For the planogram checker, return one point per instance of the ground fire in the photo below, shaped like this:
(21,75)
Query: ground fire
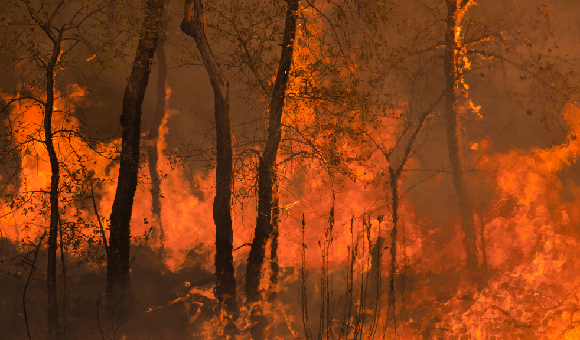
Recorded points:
(289,169)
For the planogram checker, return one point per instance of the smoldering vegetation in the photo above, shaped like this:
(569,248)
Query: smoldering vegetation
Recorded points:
(426,180)
(166,303)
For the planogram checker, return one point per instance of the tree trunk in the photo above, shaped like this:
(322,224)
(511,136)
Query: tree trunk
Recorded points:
(267,162)
(158,235)
(394,178)
(453,74)
(274,267)
(54,330)
(226,282)
(394,175)
(64,282)
(118,281)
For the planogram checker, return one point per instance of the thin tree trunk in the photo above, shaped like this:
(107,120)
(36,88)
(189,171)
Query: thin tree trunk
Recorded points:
(483,267)
(394,175)
(54,330)
(33,267)
(64,282)
(394,178)
(226,282)
(274,266)
(456,10)
(118,280)
(267,162)
(158,235)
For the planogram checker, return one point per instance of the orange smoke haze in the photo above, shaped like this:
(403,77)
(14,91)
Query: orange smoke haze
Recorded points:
(529,230)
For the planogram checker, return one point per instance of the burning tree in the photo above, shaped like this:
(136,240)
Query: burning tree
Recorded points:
(62,29)
(348,136)
(118,256)
(154,147)
(226,283)
(267,187)
(453,72)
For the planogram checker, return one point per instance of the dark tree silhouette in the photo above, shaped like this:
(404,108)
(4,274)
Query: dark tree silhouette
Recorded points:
(222,216)
(267,163)
(53,323)
(158,234)
(118,280)
(56,37)
(455,11)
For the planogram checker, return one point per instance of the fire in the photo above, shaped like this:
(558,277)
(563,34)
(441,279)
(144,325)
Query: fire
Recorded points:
(529,245)
(187,217)
(527,227)
(25,121)
(528,238)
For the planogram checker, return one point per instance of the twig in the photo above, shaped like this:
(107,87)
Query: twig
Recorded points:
(512,320)
(115,329)
(100,223)
(243,245)
(99,318)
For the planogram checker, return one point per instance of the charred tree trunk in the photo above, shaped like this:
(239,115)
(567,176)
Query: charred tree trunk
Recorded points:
(394,178)
(267,162)
(456,10)
(64,282)
(118,280)
(54,330)
(274,267)
(226,282)
(158,235)
(394,175)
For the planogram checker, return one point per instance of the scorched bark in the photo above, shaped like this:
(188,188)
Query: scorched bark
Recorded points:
(118,280)
(267,161)
(158,234)
(54,330)
(456,9)
(226,282)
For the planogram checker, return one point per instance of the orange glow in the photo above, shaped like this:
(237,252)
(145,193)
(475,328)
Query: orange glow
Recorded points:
(526,215)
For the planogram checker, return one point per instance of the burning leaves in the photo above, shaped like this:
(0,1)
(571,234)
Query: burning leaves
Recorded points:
(339,145)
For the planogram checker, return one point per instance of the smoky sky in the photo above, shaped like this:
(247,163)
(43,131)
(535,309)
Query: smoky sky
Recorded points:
(521,96)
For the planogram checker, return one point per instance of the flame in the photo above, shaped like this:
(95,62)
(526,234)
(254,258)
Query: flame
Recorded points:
(26,124)
(528,236)
(26,119)
(530,231)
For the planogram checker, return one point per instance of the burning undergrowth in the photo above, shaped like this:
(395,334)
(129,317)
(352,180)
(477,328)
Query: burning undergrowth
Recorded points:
(335,272)
(334,279)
